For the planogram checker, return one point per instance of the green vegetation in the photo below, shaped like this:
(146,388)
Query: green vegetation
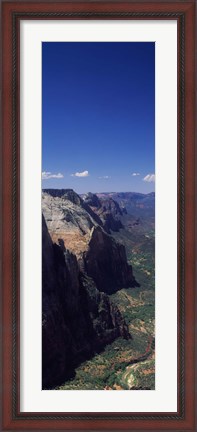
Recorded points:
(138,376)
(128,364)
(107,370)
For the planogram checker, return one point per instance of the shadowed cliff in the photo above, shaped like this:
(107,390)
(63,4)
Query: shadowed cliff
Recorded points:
(77,320)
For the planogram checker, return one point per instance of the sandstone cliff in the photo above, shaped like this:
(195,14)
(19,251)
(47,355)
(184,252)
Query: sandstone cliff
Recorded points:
(72,220)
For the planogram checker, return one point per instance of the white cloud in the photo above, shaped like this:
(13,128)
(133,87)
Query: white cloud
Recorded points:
(81,174)
(105,177)
(48,175)
(149,178)
(135,174)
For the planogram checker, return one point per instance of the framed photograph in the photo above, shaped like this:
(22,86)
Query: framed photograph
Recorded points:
(98,206)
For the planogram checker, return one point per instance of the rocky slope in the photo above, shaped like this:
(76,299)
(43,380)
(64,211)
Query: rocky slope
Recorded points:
(78,320)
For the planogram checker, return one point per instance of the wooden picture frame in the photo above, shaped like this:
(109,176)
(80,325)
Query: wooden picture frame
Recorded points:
(12,13)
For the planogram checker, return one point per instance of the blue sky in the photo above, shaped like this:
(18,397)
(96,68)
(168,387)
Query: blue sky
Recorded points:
(98,116)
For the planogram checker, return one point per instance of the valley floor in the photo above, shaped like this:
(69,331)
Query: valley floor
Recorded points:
(127,364)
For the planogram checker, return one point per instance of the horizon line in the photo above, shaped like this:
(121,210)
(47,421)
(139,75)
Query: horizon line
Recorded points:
(81,193)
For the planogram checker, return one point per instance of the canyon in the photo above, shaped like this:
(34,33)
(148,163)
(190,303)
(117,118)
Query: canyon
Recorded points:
(82,266)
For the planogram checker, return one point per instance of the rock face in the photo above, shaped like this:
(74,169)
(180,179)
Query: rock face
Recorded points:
(92,200)
(108,211)
(78,320)
(73,197)
(68,218)
(106,262)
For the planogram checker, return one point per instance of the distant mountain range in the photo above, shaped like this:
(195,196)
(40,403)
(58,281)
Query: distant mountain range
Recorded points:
(135,203)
